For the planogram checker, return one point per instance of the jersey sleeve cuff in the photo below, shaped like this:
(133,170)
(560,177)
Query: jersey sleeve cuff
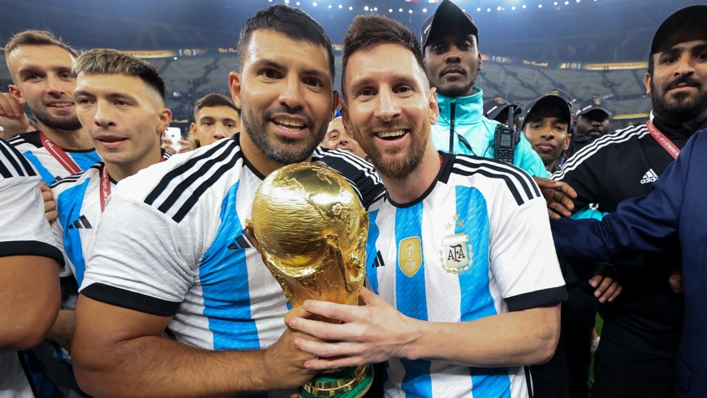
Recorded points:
(131,300)
(31,248)
(538,298)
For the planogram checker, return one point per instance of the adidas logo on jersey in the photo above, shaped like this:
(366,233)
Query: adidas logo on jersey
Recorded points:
(81,223)
(649,177)
(239,243)
(378,261)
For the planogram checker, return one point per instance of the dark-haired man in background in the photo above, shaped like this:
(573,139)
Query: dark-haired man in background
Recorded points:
(592,120)
(642,328)
(185,265)
(40,66)
(452,59)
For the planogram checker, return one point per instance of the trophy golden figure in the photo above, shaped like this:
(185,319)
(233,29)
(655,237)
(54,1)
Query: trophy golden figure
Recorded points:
(310,229)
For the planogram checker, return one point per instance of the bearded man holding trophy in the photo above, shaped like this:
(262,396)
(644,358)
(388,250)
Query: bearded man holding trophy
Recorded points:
(459,251)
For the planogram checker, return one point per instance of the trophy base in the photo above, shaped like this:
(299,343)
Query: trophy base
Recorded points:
(344,383)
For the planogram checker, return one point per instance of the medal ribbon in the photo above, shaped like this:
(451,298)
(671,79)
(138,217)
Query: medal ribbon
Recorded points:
(105,187)
(59,154)
(664,141)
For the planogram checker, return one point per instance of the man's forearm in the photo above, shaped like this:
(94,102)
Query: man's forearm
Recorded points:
(517,338)
(154,366)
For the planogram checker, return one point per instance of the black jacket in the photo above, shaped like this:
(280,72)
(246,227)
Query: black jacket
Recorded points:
(619,166)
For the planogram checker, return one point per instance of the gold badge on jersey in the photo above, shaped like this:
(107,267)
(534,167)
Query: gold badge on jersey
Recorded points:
(410,255)
(456,253)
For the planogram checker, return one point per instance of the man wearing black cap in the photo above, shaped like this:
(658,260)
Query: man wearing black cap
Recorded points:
(452,60)
(643,327)
(591,121)
(499,109)
(546,125)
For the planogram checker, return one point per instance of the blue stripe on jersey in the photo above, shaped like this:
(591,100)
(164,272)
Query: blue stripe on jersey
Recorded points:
(371,252)
(224,284)
(68,205)
(476,299)
(85,159)
(410,298)
(47,177)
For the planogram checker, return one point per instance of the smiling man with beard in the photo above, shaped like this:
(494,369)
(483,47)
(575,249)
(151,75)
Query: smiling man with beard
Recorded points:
(642,327)
(467,293)
(40,66)
(452,60)
(184,263)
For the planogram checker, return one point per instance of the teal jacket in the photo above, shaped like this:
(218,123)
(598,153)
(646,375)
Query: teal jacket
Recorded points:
(466,116)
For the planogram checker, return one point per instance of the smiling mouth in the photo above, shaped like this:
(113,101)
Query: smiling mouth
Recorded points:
(60,104)
(391,135)
(289,124)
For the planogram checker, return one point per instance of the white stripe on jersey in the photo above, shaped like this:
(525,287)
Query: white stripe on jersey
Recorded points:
(585,153)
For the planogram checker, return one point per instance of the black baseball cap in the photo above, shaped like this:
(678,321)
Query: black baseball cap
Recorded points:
(593,104)
(497,105)
(693,19)
(560,99)
(447,14)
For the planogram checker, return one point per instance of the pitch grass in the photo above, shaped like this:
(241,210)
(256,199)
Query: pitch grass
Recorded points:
(598,325)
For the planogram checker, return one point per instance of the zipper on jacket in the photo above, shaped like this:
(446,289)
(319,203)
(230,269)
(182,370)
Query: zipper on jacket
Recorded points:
(451,127)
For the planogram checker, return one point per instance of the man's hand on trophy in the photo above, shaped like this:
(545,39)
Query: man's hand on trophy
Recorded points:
(285,362)
(371,333)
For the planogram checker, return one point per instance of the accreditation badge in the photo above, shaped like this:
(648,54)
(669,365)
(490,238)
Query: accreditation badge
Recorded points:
(456,253)
(410,255)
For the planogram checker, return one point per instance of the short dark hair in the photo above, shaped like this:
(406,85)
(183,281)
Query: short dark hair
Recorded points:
(291,22)
(368,31)
(105,61)
(213,100)
(34,37)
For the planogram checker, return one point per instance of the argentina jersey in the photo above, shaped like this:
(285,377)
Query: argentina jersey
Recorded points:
(171,242)
(78,204)
(49,168)
(476,244)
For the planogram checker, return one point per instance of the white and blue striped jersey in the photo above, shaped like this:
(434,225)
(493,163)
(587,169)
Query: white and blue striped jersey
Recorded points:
(477,243)
(171,242)
(48,167)
(79,207)
(23,231)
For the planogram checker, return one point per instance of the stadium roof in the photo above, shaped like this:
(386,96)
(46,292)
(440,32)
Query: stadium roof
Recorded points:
(569,30)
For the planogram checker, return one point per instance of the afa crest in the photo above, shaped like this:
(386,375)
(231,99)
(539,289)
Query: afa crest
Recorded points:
(457,256)
(410,256)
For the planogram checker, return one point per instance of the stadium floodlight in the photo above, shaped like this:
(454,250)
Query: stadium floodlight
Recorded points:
(401,10)
(424,10)
(350,8)
(365,8)
(523,5)
(340,6)
(314,4)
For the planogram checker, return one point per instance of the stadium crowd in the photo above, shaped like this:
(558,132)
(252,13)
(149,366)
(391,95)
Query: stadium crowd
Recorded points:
(497,230)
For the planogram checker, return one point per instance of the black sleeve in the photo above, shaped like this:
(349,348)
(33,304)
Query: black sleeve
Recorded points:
(583,173)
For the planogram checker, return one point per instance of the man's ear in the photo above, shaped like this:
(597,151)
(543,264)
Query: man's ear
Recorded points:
(16,94)
(568,141)
(165,120)
(647,82)
(480,65)
(192,128)
(434,105)
(235,84)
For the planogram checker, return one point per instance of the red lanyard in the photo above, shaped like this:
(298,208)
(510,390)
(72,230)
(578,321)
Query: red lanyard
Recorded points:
(105,187)
(59,154)
(664,141)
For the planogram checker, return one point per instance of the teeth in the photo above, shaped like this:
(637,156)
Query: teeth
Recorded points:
(61,104)
(388,134)
(289,122)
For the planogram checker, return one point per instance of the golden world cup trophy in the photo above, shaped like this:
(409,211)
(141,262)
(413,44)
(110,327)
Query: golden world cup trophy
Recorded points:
(310,229)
